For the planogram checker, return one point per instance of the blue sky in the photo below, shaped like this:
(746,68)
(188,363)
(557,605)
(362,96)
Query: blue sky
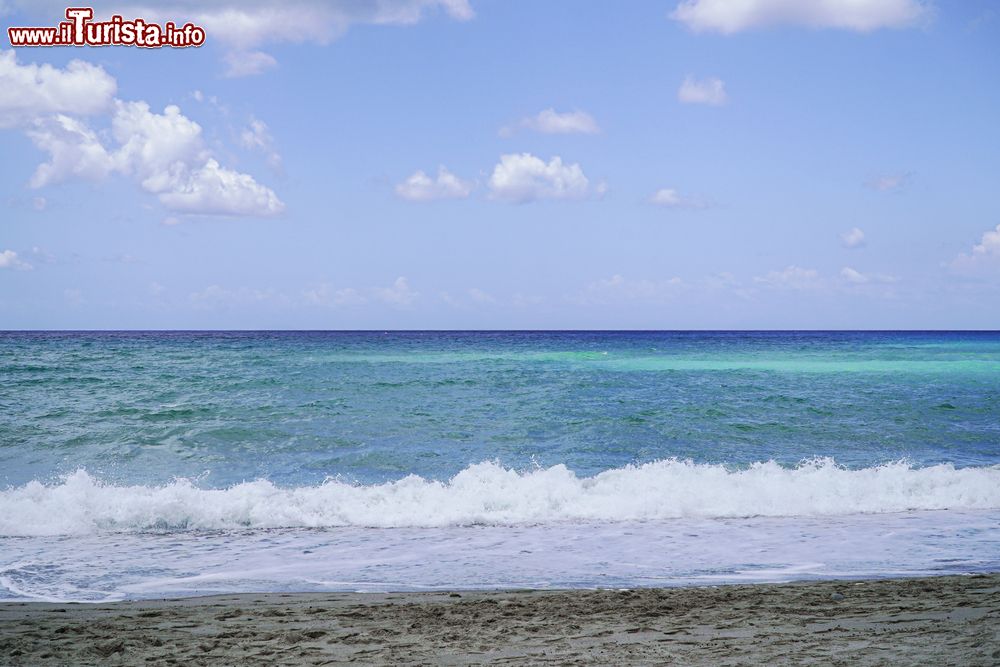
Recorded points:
(696,164)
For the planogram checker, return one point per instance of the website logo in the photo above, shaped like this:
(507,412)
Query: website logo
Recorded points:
(79,29)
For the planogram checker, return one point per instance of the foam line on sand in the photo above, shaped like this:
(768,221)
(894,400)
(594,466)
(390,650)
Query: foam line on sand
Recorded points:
(937,620)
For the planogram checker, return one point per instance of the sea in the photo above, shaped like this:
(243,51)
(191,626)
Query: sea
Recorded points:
(158,464)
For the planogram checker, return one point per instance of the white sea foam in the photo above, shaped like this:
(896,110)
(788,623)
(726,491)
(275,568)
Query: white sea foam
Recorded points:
(488,494)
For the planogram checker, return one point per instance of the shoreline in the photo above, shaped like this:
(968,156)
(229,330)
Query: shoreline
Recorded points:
(928,620)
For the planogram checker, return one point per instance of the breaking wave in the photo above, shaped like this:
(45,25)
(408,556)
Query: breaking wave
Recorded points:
(489,494)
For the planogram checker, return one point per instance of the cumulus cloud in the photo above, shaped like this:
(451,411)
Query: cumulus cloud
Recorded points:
(421,187)
(853,238)
(522,177)
(30,91)
(164,153)
(551,121)
(157,149)
(10,260)
(791,277)
(984,255)
(244,26)
(74,151)
(729,16)
(215,190)
(710,91)
(670,198)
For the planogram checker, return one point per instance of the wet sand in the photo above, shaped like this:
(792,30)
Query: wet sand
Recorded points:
(928,621)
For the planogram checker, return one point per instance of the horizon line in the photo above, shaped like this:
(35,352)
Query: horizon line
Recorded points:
(381,330)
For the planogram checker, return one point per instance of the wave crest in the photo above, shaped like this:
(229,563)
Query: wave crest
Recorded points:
(489,494)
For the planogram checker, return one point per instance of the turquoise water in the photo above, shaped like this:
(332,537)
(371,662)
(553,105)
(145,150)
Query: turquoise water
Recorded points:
(298,407)
(213,441)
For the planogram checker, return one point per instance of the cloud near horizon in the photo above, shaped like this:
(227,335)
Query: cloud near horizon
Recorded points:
(399,295)
(618,288)
(791,277)
(985,255)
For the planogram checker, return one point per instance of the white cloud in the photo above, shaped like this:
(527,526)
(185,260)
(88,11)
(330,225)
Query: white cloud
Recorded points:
(984,255)
(421,187)
(28,92)
(10,260)
(398,294)
(257,136)
(731,16)
(791,277)
(157,149)
(521,178)
(165,153)
(325,295)
(551,121)
(670,198)
(889,182)
(857,278)
(853,276)
(74,151)
(216,190)
(243,26)
(248,63)
(853,238)
(711,91)
(617,288)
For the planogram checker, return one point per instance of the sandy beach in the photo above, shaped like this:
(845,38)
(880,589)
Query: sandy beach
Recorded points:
(939,620)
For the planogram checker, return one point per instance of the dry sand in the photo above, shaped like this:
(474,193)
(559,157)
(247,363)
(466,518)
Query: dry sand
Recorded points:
(930,621)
